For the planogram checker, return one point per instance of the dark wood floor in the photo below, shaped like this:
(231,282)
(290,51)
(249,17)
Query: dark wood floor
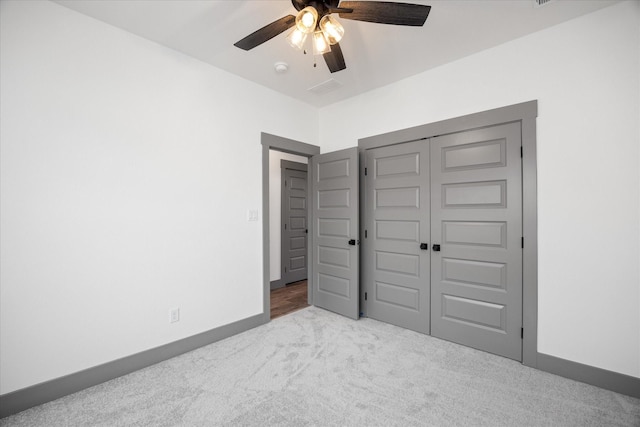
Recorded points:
(288,299)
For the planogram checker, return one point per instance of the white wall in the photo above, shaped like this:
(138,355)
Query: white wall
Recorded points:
(275,208)
(127,170)
(586,76)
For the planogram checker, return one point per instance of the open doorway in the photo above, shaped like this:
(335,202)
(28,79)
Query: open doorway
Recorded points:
(288,231)
(333,251)
(285,298)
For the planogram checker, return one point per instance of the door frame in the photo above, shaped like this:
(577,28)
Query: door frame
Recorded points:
(288,164)
(525,113)
(273,142)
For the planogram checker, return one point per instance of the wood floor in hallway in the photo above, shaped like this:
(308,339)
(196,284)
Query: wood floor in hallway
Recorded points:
(288,299)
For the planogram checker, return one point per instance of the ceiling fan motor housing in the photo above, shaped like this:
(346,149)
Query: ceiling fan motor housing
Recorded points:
(321,6)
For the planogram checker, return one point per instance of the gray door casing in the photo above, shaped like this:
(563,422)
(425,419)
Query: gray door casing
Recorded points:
(293,222)
(277,143)
(394,266)
(335,218)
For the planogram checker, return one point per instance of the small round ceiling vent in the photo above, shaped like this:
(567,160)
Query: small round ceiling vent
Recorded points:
(281,67)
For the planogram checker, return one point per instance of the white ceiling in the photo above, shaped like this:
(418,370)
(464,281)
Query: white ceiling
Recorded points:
(375,54)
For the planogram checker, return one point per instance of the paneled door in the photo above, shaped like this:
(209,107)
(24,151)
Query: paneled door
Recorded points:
(335,249)
(476,228)
(294,222)
(396,248)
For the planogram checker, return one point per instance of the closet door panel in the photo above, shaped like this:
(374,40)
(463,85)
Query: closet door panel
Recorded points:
(396,269)
(476,219)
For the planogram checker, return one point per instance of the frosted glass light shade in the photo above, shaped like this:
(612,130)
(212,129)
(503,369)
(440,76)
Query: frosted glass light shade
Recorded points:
(320,43)
(332,29)
(297,38)
(307,20)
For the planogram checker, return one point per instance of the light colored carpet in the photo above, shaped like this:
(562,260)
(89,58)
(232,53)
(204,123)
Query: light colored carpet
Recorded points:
(313,367)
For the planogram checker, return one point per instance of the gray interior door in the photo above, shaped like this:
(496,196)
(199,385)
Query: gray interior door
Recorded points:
(294,222)
(476,218)
(396,267)
(335,247)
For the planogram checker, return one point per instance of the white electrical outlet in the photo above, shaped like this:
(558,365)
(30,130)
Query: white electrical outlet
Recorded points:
(174,315)
(252,215)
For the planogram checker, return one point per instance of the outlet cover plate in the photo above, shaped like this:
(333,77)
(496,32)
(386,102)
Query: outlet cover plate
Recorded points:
(174,315)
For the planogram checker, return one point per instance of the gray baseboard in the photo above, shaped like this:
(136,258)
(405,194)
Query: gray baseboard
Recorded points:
(277,284)
(609,380)
(19,400)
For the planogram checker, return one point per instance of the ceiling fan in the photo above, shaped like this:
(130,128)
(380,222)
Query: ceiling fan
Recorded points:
(314,18)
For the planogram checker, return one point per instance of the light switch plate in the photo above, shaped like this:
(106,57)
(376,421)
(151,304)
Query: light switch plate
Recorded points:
(252,215)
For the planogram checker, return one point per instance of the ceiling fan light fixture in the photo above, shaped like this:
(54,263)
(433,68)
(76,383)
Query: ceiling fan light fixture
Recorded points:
(320,43)
(332,29)
(297,38)
(313,18)
(307,20)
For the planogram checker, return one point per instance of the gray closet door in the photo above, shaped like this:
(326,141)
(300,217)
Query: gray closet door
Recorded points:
(396,273)
(335,225)
(294,233)
(476,218)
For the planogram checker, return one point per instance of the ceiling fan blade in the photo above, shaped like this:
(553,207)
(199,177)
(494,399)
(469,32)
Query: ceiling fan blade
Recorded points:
(266,33)
(384,12)
(334,59)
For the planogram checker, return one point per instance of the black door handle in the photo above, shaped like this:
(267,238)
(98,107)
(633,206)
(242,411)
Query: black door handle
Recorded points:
(436,248)
(352,242)
(424,246)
